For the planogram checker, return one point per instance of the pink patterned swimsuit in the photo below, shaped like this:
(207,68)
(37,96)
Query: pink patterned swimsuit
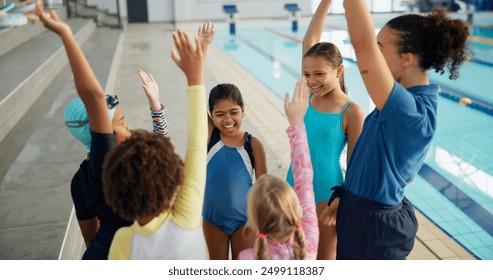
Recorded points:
(303,177)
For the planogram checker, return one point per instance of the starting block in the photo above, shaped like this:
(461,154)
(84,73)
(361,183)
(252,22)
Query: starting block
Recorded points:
(232,17)
(294,14)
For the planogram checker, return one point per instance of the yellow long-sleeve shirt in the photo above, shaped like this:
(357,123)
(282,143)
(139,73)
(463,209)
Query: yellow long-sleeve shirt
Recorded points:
(176,233)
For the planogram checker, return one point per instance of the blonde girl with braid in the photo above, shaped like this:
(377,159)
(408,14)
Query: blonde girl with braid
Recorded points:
(285,218)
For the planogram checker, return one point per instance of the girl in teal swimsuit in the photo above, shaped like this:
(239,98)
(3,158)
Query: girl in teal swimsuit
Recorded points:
(332,120)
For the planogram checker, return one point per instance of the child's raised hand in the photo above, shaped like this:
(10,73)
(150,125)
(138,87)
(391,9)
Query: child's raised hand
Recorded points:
(206,34)
(51,20)
(151,90)
(296,109)
(190,60)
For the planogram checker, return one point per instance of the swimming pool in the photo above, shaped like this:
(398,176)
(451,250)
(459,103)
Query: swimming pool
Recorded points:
(454,188)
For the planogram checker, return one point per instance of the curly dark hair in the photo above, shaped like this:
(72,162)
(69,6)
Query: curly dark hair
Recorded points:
(439,41)
(142,175)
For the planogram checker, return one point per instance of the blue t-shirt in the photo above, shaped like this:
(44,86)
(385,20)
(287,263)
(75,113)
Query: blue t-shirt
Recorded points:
(393,144)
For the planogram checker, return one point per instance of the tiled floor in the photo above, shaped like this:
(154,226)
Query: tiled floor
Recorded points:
(432,243)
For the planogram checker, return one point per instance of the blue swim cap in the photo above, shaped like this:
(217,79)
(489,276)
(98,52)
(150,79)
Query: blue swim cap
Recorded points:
(77,121)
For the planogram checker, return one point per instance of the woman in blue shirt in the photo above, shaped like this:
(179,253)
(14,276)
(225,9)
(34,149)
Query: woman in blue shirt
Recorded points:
(374,219)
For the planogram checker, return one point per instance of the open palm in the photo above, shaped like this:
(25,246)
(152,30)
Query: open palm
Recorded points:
(51,20)
(206,33)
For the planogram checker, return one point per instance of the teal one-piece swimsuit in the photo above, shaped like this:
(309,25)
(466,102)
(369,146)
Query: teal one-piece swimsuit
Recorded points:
(326,140)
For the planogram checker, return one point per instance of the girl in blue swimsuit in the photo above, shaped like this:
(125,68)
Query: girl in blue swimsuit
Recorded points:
(233,157)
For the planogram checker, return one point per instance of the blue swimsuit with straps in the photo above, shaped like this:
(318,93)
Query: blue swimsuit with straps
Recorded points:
(229,178)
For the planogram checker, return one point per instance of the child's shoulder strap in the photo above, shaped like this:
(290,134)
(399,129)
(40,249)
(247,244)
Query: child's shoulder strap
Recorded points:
(248,147)
(345,107)
(215,137)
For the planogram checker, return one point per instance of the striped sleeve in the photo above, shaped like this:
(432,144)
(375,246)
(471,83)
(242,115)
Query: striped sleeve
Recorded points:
(159,122)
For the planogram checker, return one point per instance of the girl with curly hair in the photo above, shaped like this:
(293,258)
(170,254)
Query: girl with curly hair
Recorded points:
(145,181)
(374,219)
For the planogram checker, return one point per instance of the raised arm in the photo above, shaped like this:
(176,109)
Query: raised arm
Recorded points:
(88,87)
(151,89)
(189,59)
(205,35)
(371,63)
(316,27)
(355,118)
(188,205)
(302,165)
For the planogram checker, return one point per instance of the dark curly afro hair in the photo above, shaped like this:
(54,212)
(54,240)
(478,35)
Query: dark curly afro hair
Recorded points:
(142,175)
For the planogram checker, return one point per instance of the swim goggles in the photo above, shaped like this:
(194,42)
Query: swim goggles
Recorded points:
(111,102)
